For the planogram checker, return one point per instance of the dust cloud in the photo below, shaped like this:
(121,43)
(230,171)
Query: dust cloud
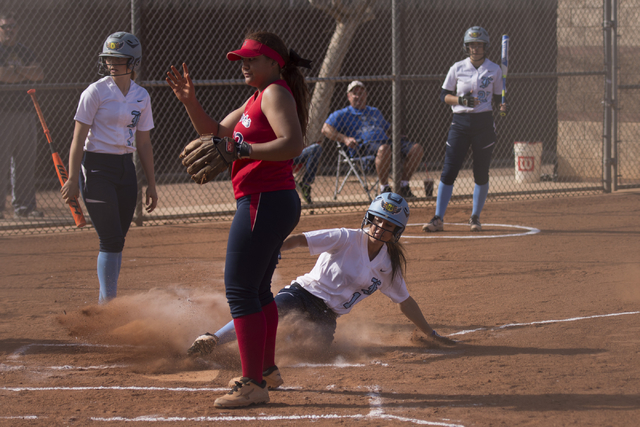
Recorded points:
(158,326)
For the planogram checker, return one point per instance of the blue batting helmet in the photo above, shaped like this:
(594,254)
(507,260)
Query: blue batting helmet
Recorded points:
(389,206)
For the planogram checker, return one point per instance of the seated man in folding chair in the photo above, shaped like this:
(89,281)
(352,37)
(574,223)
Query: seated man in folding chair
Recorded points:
(360,122)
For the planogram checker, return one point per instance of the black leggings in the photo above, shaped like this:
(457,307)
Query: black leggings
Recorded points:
(109,188)
(260,225)
(294,298)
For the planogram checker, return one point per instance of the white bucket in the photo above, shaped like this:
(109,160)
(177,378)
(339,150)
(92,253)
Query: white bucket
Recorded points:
(528,161)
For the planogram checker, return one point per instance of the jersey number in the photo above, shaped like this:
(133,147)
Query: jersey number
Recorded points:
(371,289)
(136,117)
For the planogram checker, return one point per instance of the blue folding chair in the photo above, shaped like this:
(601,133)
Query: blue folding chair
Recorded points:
(357,165)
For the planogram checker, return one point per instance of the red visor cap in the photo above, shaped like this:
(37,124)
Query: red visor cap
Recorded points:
(251,49)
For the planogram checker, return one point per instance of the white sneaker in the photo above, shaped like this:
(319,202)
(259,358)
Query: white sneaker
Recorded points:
(244,393)
(203,345)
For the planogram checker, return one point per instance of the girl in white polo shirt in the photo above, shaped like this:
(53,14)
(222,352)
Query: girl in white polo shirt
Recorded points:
(353,264)
(113,120)
(470,88)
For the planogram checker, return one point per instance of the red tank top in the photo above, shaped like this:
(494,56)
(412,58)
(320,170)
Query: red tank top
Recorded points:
(250,176)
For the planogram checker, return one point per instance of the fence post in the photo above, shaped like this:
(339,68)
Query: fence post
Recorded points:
(396,93)
(614,91)
(606,134)
(138,216)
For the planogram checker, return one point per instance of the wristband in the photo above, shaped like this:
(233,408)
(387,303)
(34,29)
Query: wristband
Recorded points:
(461,100)
(243,149)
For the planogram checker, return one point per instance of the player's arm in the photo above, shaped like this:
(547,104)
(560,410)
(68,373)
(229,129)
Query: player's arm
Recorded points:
(70,188)
(497,101)
(145,153)
(332,133)
(449,98)
(411,310)
(294,241)
(279,107)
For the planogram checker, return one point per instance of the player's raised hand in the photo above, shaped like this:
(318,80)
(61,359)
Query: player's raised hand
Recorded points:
(181,84)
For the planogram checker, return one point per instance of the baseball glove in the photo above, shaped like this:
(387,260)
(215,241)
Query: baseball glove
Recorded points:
(208,156)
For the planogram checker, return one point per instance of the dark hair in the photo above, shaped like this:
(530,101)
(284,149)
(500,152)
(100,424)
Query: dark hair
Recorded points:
(398,258)
(290,73)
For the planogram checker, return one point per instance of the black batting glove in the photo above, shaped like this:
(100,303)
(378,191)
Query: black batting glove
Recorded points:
(467,100)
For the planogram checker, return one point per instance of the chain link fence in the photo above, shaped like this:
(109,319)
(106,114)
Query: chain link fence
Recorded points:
(550,144)
(626,93)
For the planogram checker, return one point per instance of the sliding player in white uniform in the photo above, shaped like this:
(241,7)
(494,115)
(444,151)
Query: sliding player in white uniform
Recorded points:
(352,265)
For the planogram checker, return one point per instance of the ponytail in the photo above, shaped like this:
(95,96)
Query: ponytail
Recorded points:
(294,78)
(290,73)
(398,258)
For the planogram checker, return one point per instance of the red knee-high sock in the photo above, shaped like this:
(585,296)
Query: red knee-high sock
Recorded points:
(251,331)
(271,316)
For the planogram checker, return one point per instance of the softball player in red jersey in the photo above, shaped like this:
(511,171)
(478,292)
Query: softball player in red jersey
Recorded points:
(269,131)
(470,88)
(113,120)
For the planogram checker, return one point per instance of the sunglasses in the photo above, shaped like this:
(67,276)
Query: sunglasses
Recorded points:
(8,26)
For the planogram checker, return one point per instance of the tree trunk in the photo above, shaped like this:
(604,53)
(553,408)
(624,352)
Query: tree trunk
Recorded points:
(349,14)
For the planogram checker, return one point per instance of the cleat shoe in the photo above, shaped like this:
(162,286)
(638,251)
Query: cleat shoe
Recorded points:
(23,213)
(244,393)
(434,225)
(305,190)
(405,191)
(203,345)
(386,189)
(271,376)
(474,223)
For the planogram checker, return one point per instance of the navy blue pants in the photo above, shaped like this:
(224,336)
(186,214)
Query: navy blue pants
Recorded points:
(477,131)
(110,189)
(294,298)
(260,225)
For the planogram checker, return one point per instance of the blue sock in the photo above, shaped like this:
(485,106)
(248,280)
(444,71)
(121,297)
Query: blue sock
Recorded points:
(119,262)
(226,334)
(479,197)
(108,271)
(444,196)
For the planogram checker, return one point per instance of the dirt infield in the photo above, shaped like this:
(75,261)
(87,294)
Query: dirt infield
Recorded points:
(544,303)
